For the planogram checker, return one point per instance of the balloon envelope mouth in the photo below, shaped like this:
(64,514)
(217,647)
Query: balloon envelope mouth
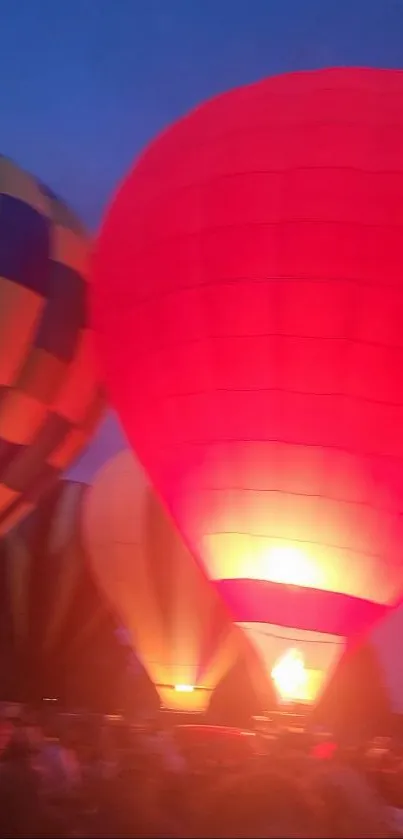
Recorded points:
(294,682)
(186,698)
(183,688)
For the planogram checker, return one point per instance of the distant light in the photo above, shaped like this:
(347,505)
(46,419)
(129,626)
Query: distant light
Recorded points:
(184,688)
(49,699)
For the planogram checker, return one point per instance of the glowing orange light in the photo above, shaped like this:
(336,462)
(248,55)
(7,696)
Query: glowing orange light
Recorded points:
(290,677)
(264,558)
(290,565)
(184,688)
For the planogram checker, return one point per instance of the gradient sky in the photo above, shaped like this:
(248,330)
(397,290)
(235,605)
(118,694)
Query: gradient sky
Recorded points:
(86,83)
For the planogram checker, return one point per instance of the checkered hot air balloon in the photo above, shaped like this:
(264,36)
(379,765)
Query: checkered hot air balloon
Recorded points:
(50,402)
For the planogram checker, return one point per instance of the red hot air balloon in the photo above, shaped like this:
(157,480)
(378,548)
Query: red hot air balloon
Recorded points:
(248,299)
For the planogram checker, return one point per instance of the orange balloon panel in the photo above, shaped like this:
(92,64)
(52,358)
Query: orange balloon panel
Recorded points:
(176,621)
(248,302)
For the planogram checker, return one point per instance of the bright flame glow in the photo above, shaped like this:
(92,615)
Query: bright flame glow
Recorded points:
(230,556)
(290,565)
(319,652)
(290,677)
(184,688)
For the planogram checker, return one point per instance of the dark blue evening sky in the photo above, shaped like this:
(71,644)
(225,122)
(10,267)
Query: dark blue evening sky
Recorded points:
(86,83)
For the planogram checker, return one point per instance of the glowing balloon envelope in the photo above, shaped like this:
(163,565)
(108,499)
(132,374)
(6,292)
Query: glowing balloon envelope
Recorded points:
(50,402)
(176,621)
(48,594)
(248,299)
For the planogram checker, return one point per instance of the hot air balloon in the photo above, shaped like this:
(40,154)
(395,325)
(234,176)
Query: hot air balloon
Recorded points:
(248,302)
(49,606)
(49,399)
(175,619)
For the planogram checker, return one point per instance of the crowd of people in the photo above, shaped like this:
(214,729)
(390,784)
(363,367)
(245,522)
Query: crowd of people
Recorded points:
(86,776)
